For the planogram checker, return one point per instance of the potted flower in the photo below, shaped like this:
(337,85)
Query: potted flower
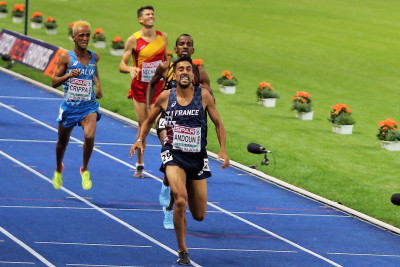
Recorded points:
(18,13)
(51,25)
(99,38)
(36,20)
(389,135)
(227,82)
(198,62)
(266,94)
(340,117)
(117,46)
(3,9)
(70,30)
(303,106)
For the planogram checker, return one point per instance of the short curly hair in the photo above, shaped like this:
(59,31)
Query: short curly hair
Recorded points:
(80,23)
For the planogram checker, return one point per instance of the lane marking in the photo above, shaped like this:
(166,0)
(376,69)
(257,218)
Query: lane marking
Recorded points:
(26,247)
(156,178)
(16,262)
(363,254)
(73,142)
(91,244)
(31,98)
(246,250)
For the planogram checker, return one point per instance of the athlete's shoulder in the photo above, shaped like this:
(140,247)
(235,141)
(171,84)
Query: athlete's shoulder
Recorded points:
(136,35)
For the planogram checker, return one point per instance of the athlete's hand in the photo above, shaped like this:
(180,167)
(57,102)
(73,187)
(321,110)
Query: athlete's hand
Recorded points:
(224,156)
(134,72)
(134,147)
(99,93)
(74,73)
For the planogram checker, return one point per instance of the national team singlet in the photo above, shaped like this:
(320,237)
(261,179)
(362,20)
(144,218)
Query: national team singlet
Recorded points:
(78,91)
(148,56)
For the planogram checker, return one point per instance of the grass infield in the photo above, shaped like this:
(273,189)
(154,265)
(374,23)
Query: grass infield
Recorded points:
(340,51)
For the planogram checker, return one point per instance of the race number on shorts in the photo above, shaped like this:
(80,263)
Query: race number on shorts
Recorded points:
(166,156)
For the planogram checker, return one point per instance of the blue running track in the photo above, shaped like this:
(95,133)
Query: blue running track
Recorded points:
(250,221)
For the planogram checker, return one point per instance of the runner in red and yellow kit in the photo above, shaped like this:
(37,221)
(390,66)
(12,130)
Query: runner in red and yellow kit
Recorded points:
(148,49)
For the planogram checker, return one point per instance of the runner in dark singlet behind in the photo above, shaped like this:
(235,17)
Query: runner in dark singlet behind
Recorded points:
(183,47)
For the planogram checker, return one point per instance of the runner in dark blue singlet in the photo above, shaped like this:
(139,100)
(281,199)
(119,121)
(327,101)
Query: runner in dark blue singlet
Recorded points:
(183,155)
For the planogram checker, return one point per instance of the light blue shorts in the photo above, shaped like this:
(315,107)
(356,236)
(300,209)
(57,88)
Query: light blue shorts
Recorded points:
(71,116)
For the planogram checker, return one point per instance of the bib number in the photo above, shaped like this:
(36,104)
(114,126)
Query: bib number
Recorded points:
(148,70)
(166,156)
(79,90)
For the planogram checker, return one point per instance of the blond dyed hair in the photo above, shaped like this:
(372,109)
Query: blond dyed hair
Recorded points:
(78,24)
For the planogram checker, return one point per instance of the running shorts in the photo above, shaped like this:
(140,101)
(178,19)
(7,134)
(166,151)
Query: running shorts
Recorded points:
(71,116)
(138,91)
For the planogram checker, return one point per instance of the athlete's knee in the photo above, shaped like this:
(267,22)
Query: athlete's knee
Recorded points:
(180,203)
(199,215)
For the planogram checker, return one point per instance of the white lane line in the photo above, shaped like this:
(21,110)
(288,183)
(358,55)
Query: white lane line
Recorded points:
(31,98)
(74,142)
(156,178)
(97,265)
(151,239)
(362,254)
(26,247)
(16,262)
(246,250)
(91,244)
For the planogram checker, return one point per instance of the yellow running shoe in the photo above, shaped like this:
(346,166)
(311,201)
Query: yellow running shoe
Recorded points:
(57,178)
(86,183)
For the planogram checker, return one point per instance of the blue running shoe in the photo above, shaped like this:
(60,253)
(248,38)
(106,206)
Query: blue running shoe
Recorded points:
(168,219)
(165,195)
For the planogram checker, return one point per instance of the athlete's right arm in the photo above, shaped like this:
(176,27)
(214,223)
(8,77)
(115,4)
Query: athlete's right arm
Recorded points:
(158,75)
(60,75)
(130,47)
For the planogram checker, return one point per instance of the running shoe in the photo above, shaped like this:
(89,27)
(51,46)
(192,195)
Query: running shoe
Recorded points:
(86,183)
(183,258)
(57,178)
(168,219)
(165,195)
(139,171)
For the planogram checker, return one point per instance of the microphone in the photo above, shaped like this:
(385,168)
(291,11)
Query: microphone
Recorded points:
(396,199)
(256,149)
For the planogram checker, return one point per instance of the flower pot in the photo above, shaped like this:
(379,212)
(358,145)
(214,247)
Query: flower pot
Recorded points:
(268,102)
(227,89)
(100,44)
(17,19)
(305,116)
(36,25)
(117,52)
(342,129)
(3,15)
(51,31)
(391,145)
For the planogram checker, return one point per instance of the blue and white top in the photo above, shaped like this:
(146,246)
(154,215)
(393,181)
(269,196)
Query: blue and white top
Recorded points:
(78,91)
(186,125)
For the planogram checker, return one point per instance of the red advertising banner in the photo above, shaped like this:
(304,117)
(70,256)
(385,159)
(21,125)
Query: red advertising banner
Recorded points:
(30,51)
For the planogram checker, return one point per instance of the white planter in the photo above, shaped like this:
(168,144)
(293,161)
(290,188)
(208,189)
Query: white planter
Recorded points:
(342,129)
(100,44)
(17,19)
(3,15)
(268,102)
(36,25)
(391,145)
(227,89)
(117,52)
(305,116)
(51,31)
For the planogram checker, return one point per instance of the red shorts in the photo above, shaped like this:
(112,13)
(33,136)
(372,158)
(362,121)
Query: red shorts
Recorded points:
(138,91)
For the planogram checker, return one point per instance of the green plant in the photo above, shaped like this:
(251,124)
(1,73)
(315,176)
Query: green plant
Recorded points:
(302,102)
(18,10)
(227,79)
(50,23)
(265,90)
(117,43)
(37,17)
(341,115)
(388,130)
(99,35)
(3,7)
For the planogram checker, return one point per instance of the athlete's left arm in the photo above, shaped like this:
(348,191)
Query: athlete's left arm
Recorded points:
(165,37)
(99,93)
(209,106)
(205,81)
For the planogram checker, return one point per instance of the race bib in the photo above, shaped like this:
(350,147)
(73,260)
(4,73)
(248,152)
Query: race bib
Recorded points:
(79,90)
(148,70)
(166,156)
(187,139)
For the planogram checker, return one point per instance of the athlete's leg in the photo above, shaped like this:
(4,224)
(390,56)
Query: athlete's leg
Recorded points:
(177,182)
(197,194)
(89,124)
(141,114)
(64,135)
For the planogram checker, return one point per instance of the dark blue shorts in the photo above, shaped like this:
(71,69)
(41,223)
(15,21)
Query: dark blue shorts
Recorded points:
(194,164)
(69,116)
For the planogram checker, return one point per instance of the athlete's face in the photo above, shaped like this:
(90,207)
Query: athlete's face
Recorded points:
(82,37)
(147,18)
(184,74)
(184,46)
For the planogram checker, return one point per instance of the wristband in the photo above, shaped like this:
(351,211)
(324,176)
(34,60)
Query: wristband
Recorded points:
(139,140)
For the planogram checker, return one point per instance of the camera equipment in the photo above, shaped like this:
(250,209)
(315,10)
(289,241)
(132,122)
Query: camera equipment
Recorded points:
(258,149)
